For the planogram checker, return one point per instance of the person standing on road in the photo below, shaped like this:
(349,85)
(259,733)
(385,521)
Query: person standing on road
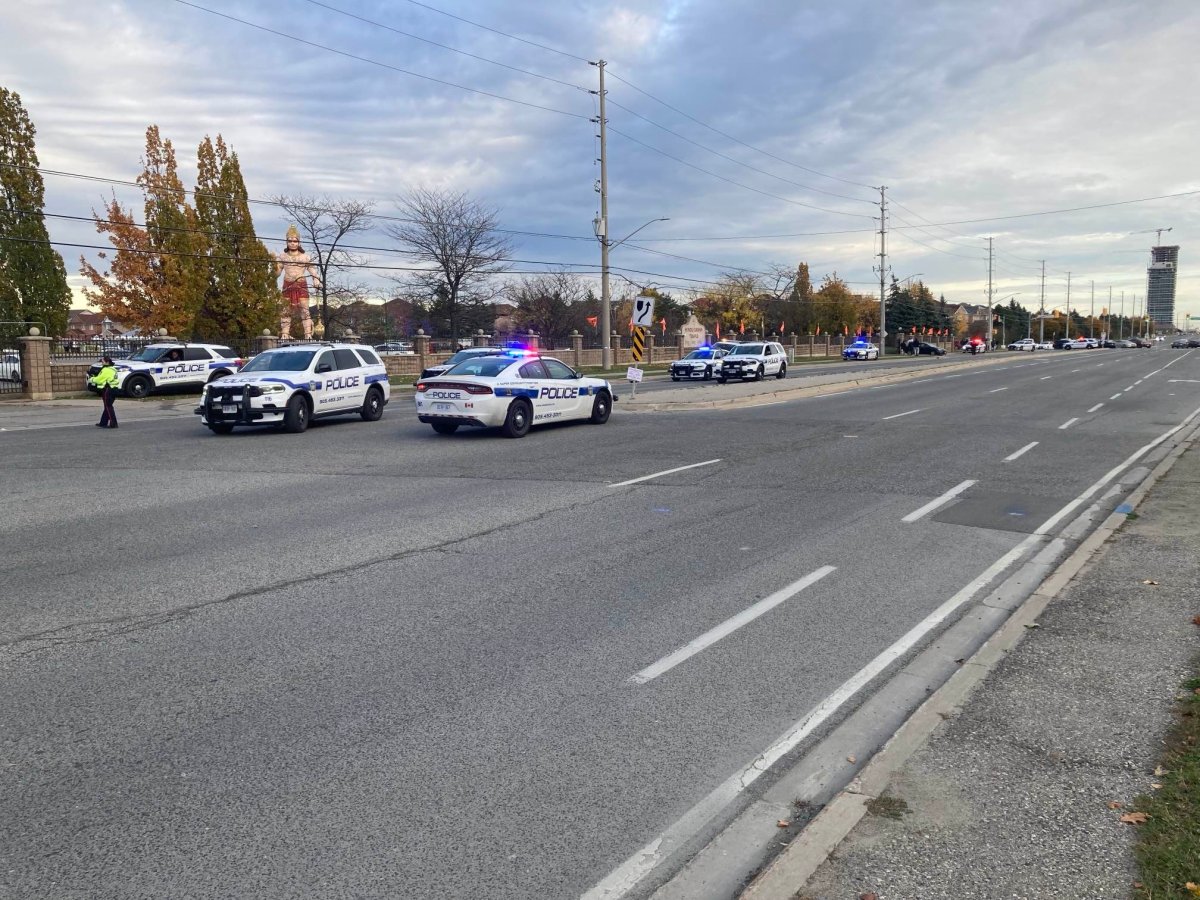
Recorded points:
(105,381)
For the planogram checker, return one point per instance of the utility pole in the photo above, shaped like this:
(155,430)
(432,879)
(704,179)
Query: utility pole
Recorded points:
(1067,330)
(1109,309)
(991,305)
(1121,321)
(882,269)
(1042,308)
(1092,317)
(602,234)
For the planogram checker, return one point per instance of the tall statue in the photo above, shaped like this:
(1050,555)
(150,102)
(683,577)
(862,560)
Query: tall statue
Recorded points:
(296,267)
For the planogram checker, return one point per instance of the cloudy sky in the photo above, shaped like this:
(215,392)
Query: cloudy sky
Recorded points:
(761,128)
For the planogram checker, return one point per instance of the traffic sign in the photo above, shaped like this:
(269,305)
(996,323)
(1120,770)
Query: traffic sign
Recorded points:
(639,341)
(643,311)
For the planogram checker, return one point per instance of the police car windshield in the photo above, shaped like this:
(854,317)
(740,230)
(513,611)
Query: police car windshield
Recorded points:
(747,350)
(280,361)
(700,354)
(148,354)
(485,366)
(468,354)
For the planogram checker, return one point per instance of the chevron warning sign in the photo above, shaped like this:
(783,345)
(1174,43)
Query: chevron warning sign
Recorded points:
(639,342)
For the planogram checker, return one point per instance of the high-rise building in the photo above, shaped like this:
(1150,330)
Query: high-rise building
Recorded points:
(1160,287)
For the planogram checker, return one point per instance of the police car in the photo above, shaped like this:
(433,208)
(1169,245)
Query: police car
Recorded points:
(513,391)
(173,364)
(861,350)
(702,363)
(292,385)
(755,360)
(460,356)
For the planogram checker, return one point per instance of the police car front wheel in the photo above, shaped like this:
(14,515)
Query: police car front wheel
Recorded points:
(518,419)
(295,417)
(601,408)
(372,408)
(137,386)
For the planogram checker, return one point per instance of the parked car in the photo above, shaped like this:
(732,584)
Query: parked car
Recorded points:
(460,356)
(10,366)
(1179,344)
(1080,343)
(974,345)
(395,348)
(926,349)
(1024,344)
(1044,345)
(171,365)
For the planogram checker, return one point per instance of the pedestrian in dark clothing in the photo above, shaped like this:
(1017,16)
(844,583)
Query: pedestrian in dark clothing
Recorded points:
(106,382)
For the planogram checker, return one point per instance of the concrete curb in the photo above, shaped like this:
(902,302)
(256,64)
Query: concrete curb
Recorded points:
(800,391)
(790,871)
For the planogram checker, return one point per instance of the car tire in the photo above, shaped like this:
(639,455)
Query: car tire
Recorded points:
(221,428)
(220,373)
(721,379)
(518,419)
(136,387)
(295,417)
(674,377)
(601,408)
(759,374)
(782,373)
(372,408)
(445,427)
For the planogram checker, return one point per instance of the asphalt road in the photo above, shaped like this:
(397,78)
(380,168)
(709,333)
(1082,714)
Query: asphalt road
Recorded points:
(370,661)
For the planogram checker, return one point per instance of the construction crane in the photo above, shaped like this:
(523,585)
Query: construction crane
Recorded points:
(1158,232)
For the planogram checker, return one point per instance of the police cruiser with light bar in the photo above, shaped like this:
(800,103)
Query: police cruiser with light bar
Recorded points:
(172,364)
(292,385)
(512,391)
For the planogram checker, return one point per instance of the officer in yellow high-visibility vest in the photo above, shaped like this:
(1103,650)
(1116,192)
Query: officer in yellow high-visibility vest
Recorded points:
(105,381)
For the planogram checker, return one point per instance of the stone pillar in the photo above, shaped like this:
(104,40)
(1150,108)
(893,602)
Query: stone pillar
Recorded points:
(615,342)
(531,340)
(265,341)
(349,337)
(792,339)
(679,344)
(576,349)
(479,339)
(36,380)
(421,348)
(649,347)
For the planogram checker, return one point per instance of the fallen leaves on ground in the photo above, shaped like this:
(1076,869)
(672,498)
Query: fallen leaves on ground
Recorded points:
(1159,771)
(1196,620)
(1149,581)
(783,823)
(1192,888)
(870,895)
(1135,818)
(1156,786)
(1114,804)
(852,759)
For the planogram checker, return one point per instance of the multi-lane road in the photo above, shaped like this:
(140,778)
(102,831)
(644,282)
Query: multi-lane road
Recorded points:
(369,661)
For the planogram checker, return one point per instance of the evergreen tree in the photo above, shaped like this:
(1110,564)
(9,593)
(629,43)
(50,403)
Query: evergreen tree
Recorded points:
(241,297)
(33,280)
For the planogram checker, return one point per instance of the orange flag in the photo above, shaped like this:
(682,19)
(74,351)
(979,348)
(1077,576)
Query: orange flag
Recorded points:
(592,320)
(663,323)
(742,327)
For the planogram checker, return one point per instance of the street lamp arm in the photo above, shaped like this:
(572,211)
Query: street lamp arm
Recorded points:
(613,246)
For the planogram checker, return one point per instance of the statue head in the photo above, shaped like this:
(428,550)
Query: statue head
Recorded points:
(293,240)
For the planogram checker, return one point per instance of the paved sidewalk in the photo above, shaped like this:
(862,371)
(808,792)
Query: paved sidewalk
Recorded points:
(1011,797)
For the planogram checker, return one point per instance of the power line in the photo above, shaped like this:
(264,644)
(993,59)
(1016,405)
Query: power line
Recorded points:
(373,62)
(442,12)
(417,37)
(731,159)
(738,141)
(747,187)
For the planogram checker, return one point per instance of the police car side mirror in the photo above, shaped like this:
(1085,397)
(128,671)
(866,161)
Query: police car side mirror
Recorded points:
(324,367)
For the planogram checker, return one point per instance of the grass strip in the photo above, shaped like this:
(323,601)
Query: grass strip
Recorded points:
(1168,847)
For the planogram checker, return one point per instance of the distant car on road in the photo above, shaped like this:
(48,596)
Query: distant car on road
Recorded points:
(395,348)
(861,350)
(926,349)
(975,345)
(702,363)
(1024,344)
(1081,343)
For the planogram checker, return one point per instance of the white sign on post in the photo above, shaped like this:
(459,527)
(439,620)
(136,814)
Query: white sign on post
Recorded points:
(643,311)
(693,333)
(634,374)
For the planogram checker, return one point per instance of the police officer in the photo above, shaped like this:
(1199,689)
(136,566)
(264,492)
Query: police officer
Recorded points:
(106,382)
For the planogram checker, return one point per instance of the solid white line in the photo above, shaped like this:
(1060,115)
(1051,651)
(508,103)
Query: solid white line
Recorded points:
(898,415)
(1067,424)
(707,462)
(1096,407)
(1021,452)
(1171,363)
(1114,396)
(934,504)
(729,626)
(628,874)
(998,390)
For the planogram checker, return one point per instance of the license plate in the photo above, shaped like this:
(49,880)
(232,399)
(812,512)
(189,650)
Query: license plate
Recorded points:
(229,409)
(443,407)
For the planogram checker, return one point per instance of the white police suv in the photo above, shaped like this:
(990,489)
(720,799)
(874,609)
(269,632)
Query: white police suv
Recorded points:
(292,385)
(513,391)
(158,366)
(703,363)
(754,359)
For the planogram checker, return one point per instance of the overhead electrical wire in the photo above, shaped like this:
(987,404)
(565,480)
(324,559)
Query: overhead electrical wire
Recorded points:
(375,62)
(514,37)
